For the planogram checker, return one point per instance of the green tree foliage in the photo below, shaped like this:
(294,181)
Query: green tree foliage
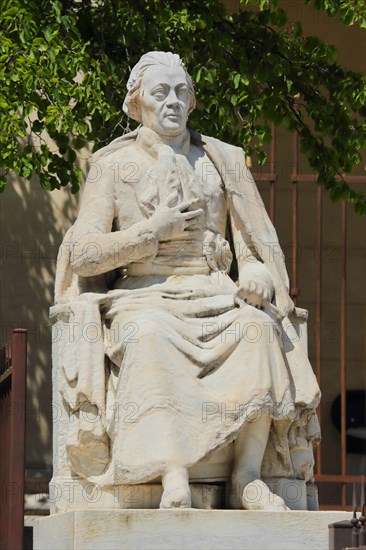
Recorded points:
(64,66)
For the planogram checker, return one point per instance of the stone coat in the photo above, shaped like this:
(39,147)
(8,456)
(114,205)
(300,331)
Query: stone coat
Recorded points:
(188,366)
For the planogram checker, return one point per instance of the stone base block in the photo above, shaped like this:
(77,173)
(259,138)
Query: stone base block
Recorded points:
(186,529)
(68,494)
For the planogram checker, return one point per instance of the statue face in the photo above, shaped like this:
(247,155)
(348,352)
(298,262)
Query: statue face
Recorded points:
(164,100)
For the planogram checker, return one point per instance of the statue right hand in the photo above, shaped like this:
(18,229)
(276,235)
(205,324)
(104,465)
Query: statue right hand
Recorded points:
(176,222)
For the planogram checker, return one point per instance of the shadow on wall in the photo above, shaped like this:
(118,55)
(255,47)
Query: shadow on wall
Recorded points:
(33,222)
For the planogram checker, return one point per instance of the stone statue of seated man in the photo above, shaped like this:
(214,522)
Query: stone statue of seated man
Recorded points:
(170,358)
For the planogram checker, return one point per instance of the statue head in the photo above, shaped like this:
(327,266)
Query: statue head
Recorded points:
(160,93)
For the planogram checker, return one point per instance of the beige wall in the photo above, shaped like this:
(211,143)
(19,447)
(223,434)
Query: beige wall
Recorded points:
(33,222)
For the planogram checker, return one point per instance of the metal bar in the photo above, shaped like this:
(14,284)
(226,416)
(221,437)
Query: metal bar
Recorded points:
(272,176)
(309,178)
(5,413)
(261,177)
(2,360)
(318,321)
(5,376)
(17,439)
(294,282)
(313,178)
(7,350)
(343,344)
(4,464)
(336,507)
(337,478)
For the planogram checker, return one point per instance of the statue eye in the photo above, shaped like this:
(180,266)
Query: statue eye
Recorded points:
(159,94)
(182,93)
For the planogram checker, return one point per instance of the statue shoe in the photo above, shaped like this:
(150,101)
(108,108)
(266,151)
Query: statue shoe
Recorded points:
(258,496)
(176,493)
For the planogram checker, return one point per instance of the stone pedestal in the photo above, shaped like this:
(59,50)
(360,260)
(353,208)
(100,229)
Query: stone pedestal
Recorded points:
(69,494)
(185,529)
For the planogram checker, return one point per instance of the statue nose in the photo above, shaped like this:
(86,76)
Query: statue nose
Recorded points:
(172,99)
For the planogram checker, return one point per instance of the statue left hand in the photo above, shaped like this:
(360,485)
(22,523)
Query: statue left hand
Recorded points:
(254,293)
(255,285)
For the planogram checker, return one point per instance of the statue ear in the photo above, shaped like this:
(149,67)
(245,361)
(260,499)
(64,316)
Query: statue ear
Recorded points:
(131,107)
(134,110)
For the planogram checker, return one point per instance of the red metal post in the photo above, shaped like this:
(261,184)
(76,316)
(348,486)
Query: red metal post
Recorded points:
(295,193)
(272,177)
(343,345)
(318,321)
(17,439)
(5,407)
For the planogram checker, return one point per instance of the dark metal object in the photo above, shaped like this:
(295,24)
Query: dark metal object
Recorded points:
(13,366)
(340,535)
(346,534)
(350,534)
(354,520)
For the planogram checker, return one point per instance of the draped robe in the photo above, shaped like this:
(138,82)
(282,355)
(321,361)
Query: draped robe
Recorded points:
(189,364)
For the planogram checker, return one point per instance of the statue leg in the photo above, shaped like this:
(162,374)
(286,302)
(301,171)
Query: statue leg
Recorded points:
(176,489)
(248,490)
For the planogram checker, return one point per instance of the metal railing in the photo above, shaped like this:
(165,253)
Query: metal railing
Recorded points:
(300,180)
(13,374)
